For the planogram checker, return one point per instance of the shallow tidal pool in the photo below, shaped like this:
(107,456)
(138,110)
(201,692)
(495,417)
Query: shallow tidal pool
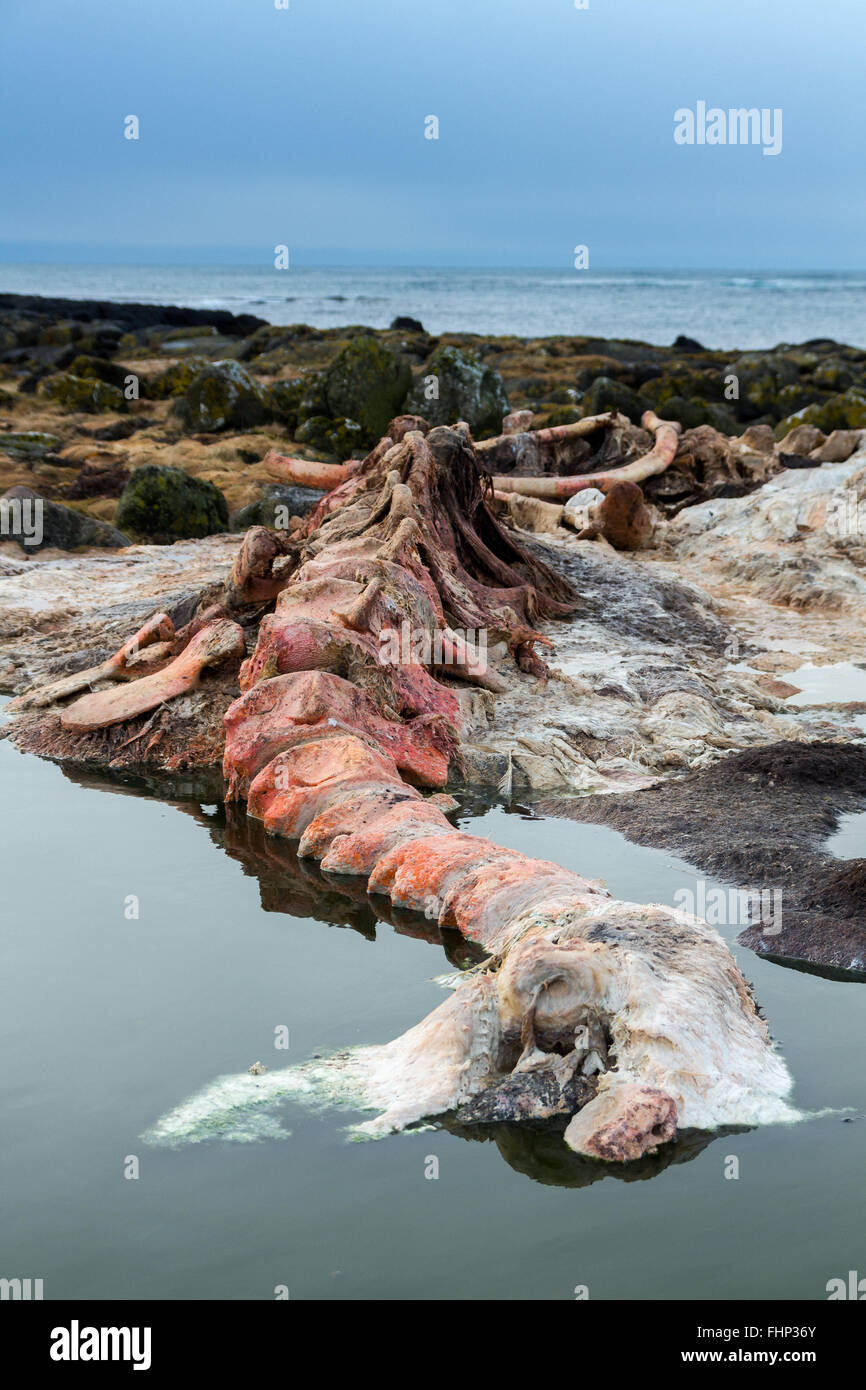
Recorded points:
(109,1020)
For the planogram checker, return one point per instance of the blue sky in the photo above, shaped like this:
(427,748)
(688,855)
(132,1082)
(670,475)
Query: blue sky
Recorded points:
(306,127)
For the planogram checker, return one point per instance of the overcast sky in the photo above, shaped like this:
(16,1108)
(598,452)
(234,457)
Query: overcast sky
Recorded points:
(261,126)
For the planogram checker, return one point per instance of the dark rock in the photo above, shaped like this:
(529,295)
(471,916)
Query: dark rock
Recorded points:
(166,504)
(94,481)
(365,383)
(607,394)
(121,429)
(688,344)
(86,394)
(296,501)
(98,369)
(761,376)
(716,818)
(284,400)
(176,379)
(127,316)
(61,527)
(222,396)
(344,438)
(843,412)
(405,324)
(465,389)
(29,444)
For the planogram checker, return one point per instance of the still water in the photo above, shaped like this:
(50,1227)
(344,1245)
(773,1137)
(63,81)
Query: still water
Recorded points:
(107,1021)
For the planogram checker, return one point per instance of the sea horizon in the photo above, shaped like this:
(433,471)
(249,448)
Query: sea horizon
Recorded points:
(721,309)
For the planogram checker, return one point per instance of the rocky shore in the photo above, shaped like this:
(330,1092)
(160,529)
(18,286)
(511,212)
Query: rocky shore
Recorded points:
(146,432)
(91,391)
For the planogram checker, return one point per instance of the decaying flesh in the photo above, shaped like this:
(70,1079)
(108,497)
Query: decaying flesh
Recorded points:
(633,1020)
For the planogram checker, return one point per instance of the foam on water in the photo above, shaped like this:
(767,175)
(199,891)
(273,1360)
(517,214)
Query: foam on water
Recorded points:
(242,1108)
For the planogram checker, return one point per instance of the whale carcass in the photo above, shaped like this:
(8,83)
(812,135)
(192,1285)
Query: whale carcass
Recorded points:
(632,1020)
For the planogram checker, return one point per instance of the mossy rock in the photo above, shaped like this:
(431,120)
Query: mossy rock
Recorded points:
(166,504)
(344,438)
(176,379)
(761,376)
(75,393)
(721,417)
(833,375)
(222,396)
(99,369)
(560,415)
(607,394)
(454,385)
(793,398)
(366,383)
(690,413)
(29,444)
(56,334)
(284,401)
(846,411)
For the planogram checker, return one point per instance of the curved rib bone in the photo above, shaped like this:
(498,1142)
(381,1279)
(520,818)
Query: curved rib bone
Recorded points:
(551,434)
(216,643)
(660,457)
(306,472)
(159,628)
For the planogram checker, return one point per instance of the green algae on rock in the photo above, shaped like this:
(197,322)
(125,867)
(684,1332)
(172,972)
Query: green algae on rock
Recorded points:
(455,385)
(87,394)
(166,504)
(366,383)
(221,396)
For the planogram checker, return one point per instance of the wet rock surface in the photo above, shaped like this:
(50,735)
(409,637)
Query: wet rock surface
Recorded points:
(719,820)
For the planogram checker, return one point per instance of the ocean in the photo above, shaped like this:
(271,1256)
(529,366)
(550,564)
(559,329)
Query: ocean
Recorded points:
(720,309)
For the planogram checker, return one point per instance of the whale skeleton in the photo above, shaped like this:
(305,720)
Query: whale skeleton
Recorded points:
(633,1021)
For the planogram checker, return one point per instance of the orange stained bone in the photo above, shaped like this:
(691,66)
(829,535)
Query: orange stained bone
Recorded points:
(349,815)
(478,903)
(359,851)
(216,643)
(413,872)
(284,710)
(157,629)
(287,794)
(305,472)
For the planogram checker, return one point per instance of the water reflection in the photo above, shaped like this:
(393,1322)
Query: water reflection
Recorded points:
(299,889)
